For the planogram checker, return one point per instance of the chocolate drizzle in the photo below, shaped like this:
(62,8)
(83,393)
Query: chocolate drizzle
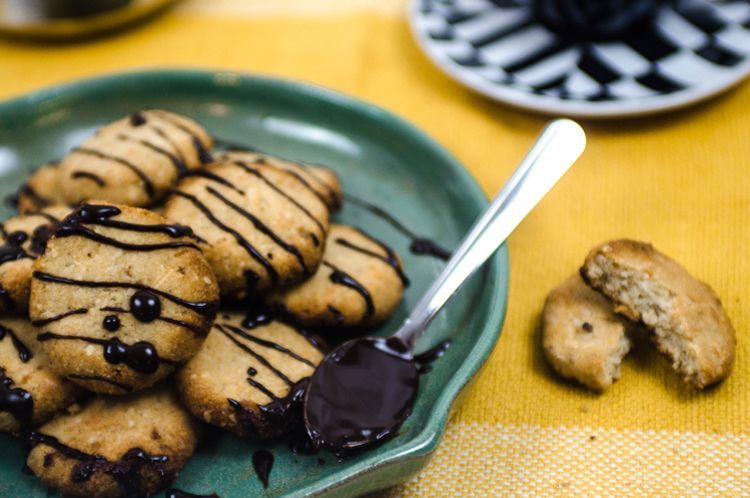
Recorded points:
(141,357)
(419,245)
(6,299)
(390,258)
(46,321)
(89,176)
(24,354)
(111,323)
(127,472)
(342,278)
(148,186)
(176,161)
(145,306)
(16,401)
(137,119)
(200,148)
(12,249)
(263,463)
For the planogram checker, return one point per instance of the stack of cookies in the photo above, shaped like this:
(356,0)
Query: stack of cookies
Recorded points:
(623,285)
(150,283)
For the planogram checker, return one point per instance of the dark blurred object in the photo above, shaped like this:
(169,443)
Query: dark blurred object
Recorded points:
(593,19)
(65,19)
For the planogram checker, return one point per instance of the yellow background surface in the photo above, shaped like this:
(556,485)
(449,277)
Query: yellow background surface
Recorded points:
(679,181)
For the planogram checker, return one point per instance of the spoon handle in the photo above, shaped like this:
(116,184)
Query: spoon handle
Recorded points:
(557,148)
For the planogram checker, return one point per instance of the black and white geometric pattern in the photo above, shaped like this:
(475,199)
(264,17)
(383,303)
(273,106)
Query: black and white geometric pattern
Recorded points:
(694,49)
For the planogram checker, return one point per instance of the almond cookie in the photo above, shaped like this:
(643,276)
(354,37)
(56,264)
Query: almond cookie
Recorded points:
(115,447)
(41,190)
(582,336)
(250,374)
(687,319)
(261,227)
(322,181)
(135,160)
(22,239)
(360,283)
(30,394)
(120,298)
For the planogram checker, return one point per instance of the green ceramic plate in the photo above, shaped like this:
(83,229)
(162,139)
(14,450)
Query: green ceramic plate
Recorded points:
(379,157)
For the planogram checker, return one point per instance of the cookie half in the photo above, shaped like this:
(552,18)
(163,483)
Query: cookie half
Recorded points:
(687,319)
(261,227)
(583,338)
(135,160)
(359,283)
(249,375)
(121,297)
(115,447)
(30,393)
(322,181)
(22,239)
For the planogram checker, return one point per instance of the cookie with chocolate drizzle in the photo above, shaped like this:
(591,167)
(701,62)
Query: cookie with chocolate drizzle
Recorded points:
(41,190)
(135,160)
(30,394)
(322,181)
(22,239)
(130,446)
(360,283)
(249,376)
(121,297)
(262,228)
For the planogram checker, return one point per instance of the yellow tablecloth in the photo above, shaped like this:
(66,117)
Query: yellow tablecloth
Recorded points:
(679,181)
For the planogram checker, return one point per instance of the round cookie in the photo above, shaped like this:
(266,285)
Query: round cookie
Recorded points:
(115,447)
(135,160)
(41,190)
(360,283)
(582,336)
(322,181)
(120,298)
(686,318)
(30,394)
(249,375)
(22,239)
(261,227)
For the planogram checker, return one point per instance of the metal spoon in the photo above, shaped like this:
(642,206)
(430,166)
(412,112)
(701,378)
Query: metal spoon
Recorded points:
(366,387)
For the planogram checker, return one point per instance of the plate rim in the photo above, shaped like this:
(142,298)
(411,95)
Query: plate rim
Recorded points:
(421,446)
(550,106)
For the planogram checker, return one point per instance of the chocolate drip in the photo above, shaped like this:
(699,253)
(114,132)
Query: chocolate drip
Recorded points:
(29,191)
(176,162)
(263,228)
(41,236)
(204,173)
(269,344)
(16,401)
(263,463)
(137,119)
(178,493)
(419,245)
(207,309)
(145,306)
(257,317)
(148,186)
(90,176)
(164,136)
(24,354)
(338,316)
(425,360)
(342,278)
(12,249)
(141,357)
(242,241)
(119,385)
(46,321)
(111,323)
(204,156)
(281,415)
(390,258)
(261,359)
(273,186)
(127,472)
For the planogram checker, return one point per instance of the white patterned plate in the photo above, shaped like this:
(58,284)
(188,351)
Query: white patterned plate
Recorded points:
(692,50)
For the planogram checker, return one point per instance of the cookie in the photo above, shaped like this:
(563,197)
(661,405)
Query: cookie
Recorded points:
(41,190)
(322,181)
(249,375)
(22,239)
(135,160)
(120,298)
(115,447)
(686,318)
(360,283)
(582,336)
(30,394)
(261,227)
